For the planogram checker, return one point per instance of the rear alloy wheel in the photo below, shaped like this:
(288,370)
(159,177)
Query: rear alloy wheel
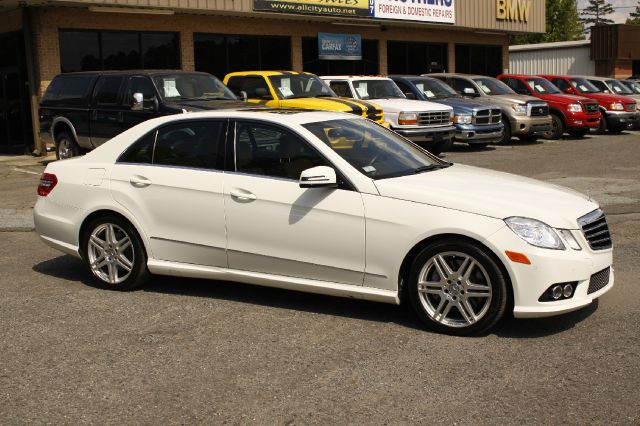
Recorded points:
(114,254)
(455,287)
(66,147)
(557,128)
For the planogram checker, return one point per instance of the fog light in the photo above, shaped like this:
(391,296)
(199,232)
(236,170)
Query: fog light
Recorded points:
(556,292)
(567,291)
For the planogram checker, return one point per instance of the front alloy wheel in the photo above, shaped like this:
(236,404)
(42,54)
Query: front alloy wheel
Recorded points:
(457,288)
(114,254)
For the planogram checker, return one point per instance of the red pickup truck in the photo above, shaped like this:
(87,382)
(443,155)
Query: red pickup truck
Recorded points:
(570,113)
(618,112)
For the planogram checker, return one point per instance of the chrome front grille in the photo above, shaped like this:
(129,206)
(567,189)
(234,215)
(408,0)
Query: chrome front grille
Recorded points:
(599,280)
(631,107)
(437,118)
(537,110)
(591,108)
(485,117)
(596,230)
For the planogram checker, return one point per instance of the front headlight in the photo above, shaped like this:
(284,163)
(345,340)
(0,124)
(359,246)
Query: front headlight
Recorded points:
(534,232)
(519,109)
(462,119)
(574,108)
(405,118)
(617,106)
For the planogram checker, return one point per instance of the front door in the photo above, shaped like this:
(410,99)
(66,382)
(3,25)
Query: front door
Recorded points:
(276,227)
(171,181)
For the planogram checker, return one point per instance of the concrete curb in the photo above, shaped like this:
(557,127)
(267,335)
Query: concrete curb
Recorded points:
(18,220)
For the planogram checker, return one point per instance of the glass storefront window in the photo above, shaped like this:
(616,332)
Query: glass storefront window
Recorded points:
(479,59)
(84,50)
(415,58)
(220,54)
(368,65)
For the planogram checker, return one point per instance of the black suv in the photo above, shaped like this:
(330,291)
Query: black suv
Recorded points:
(80,111)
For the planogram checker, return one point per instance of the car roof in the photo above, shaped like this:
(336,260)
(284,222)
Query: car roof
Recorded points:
(266,73)
(453,74)
(131,72)
(354,77)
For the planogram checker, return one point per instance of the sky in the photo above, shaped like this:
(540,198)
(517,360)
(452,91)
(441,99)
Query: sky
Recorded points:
(620,15)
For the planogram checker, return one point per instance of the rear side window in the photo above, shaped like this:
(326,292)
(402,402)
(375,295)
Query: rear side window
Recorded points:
(141,152)
(53,90)
(108,91)
(197,144)
(459,85)
(74,91)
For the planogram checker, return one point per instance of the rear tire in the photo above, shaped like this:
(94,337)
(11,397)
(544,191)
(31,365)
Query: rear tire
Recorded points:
(114,254)
(456,287)
(66,146)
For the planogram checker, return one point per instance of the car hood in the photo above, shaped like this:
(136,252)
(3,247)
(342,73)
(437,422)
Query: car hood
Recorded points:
(514,98)
(398,105)
(565,99)
(607,98)
(331,104)
(490,193)
(464,104)
(194,106)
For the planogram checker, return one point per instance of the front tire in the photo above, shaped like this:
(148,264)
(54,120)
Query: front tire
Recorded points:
(456,287)
(506,135)
(440,147)
(114,254)
(557,128)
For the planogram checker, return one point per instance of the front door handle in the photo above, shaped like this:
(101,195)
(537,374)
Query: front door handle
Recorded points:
(242,195)
(139,181)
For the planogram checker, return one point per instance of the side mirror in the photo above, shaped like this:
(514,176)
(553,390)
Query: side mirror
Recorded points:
(243,96)
(318,177)
(410,95)
(137,102)
(469,91)
(569,91)
(262,93)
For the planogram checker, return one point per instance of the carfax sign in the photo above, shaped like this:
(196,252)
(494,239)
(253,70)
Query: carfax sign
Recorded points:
(339,46)
(439,11)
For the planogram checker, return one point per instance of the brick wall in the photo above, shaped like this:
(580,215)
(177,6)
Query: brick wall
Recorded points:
(47,21)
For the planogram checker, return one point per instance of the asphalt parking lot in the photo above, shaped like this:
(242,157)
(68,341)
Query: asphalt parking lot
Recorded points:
(188,351)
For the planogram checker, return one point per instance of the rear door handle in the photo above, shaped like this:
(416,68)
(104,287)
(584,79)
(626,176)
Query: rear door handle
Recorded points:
(139,181)
(242,195)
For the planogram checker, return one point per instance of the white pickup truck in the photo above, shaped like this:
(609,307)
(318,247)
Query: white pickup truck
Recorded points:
(426,123)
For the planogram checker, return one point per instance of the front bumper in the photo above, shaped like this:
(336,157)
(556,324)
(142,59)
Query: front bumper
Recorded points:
(529,126)
(577,121)
(550,267)
(479,134)
(619,118)
(422,134)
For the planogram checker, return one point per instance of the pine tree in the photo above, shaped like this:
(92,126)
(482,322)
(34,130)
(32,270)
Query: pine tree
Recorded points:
(634,17)
(596,13)
(563,24)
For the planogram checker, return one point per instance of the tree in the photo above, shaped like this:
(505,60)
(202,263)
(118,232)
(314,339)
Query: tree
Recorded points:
(596,13)
(563,24)
(634,17)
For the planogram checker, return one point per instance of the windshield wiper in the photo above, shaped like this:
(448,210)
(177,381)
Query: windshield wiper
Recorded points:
(431,167)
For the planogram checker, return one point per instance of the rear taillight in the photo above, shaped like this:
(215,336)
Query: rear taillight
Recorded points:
(48,181)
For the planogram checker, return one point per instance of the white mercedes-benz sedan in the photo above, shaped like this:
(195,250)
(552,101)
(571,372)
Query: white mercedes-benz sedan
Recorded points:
(326,203)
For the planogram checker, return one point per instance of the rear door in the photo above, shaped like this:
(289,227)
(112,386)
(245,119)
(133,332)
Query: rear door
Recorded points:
(171,180)
(106,110)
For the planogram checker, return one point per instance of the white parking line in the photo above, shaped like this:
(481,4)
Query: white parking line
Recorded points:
(16,169)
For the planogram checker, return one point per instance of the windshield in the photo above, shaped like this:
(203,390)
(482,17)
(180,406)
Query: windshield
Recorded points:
(375,151)
(619,87)
(434,89)
(191,87)
(542,86)
(633,86)
(491,86)
(583,85)
(377,89)
(292,86)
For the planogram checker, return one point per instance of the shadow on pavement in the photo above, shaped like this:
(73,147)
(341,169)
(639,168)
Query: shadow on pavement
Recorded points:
(71,269)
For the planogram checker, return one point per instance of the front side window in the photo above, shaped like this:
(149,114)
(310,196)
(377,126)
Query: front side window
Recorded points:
(542,86)
(272,151)
(600,85)
(583,85)
(492,86)
(191,87)
(292,86)
(141,84)
(517,86)
(254,86)
(377,89)
(561,84)
(373,150)
(341,88)
(196,144)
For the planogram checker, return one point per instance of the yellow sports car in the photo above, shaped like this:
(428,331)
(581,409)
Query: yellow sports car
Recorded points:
(291,89)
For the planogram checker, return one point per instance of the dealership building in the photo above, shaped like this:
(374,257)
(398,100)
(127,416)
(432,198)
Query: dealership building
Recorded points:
(42,38)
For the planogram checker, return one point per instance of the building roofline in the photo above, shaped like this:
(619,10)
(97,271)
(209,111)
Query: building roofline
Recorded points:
(544,46)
